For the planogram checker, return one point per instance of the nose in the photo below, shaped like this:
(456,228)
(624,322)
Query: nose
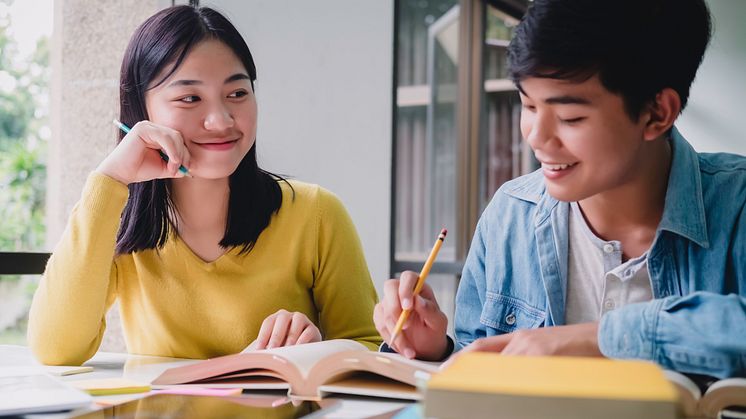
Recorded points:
(218,118)
(538,129)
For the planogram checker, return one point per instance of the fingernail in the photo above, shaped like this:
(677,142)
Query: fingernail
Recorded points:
(409,353)
(406,303)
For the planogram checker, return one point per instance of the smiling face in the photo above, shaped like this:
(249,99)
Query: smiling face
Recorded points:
(209,100)
(587,144)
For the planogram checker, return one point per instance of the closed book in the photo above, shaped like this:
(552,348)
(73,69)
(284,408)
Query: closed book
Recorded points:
(489,385)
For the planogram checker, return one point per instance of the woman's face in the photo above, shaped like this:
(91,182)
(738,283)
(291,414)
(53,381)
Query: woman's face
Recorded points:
(209,100)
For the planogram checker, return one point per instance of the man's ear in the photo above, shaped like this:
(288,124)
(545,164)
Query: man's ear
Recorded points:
(661,113)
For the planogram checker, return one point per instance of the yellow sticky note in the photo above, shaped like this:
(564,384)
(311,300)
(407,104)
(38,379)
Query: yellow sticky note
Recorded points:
(108,386)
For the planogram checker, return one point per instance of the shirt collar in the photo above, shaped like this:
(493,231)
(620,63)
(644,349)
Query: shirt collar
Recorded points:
(684,210)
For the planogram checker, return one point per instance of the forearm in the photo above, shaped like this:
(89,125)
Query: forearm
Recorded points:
(703,333)
(66,321)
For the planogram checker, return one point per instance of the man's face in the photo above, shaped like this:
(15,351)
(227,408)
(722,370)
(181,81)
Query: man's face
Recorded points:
(579,131)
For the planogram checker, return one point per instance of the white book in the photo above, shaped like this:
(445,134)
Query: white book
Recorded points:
(29,390)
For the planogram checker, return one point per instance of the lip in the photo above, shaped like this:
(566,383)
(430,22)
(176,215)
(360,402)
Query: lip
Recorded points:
(556,166)
(218,145)
(551,174)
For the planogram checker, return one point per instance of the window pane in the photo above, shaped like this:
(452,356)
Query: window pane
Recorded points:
(24,130)
(503,155)
(15,293)
(425,140)
(25,28)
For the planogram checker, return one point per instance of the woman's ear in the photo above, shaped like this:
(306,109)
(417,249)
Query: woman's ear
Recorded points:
(662,112)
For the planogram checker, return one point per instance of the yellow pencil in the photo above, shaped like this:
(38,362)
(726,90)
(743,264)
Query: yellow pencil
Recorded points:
(420,282)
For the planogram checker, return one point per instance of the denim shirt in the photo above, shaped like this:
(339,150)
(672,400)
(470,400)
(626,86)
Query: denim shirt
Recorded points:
(515,276)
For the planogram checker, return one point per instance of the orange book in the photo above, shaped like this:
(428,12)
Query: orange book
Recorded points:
(308,372)
(489,385)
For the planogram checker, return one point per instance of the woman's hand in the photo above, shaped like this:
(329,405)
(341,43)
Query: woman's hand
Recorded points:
(136,158)
(286,328)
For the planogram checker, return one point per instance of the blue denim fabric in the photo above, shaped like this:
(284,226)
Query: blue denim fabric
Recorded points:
(515,276)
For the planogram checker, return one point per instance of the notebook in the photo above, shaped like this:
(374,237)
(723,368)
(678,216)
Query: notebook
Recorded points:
(29,390)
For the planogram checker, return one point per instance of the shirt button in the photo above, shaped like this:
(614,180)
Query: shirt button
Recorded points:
(510,319)
(608,248)
(609,304)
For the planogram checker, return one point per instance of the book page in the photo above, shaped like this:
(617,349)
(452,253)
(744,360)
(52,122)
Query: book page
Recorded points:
(689,393)
(289,364)
(722,394)
(369,384)
(304,357)
(383,367)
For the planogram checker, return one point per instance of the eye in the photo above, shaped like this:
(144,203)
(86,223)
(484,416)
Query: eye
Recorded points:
(571,121)
(189,99)
(530,108)
(238,94)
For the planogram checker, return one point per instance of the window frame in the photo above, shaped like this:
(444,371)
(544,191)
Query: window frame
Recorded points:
(472,18)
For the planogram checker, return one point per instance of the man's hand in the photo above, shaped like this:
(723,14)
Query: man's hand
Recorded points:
(424,333)
(574,340)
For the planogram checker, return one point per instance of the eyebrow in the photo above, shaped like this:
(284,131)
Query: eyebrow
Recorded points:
(567,100)
(559,100)
(235,77)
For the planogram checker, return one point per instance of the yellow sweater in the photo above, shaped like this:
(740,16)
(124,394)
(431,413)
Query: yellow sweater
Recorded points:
(174,304)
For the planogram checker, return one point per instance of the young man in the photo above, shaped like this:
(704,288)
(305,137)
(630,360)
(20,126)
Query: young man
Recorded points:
(627,242)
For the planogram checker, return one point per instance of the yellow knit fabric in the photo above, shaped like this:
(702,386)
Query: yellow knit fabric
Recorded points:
(174,304)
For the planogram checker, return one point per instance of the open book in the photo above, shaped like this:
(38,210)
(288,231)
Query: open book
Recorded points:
(718,396)
(308,371)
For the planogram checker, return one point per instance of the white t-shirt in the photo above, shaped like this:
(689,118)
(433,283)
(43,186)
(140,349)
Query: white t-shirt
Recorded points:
(597,280)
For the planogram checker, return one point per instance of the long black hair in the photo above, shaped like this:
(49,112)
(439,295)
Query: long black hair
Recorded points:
(162,40)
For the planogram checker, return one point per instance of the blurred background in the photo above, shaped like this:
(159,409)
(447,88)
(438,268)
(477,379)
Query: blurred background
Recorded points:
(402,108)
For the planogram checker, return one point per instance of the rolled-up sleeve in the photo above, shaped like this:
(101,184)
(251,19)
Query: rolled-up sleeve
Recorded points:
(701,333)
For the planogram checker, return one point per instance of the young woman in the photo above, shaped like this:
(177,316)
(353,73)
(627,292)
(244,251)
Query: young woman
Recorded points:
(202,265)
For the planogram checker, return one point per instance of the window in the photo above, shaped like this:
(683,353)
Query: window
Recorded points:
(456,135)
(25,28)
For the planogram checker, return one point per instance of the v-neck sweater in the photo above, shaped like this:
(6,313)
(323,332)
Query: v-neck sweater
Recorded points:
(172,303)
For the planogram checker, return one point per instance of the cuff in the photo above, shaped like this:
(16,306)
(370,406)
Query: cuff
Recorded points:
(449,349)
(629,332)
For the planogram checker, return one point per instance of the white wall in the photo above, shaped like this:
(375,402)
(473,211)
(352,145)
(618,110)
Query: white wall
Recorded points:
(324,71)
(714,118)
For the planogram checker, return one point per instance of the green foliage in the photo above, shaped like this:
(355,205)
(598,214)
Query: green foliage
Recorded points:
(22,178)
(23,120)
(23,143)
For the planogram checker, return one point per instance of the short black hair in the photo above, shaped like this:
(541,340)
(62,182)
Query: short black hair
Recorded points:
(162,42)
(636,47)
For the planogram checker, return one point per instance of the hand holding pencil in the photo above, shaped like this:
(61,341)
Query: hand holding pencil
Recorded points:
(409,318)
(148,151)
